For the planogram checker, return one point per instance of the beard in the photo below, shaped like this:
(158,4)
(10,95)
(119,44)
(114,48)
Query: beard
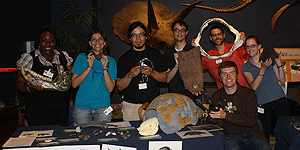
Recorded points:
(139,46)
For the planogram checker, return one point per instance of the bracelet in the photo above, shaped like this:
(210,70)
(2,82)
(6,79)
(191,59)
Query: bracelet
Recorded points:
(261,74)
(279,66)
(28,89)
(130,77)
(105,69)
(176,66)
(90,67)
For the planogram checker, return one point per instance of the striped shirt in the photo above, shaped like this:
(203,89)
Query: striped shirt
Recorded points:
(27,61)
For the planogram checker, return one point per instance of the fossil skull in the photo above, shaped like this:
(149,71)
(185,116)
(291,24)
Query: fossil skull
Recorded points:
(154,15)
(62,82)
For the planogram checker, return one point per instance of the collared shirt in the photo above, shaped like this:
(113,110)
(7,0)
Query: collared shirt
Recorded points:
(27,61)
(237,57)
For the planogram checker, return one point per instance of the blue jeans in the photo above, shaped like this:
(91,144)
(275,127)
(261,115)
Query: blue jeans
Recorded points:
(86,115)
(246,141)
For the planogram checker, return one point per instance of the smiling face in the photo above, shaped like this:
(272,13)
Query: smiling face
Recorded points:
(97,43)
(138,38)
(217,36)
(252,47)
(228,77)
(179,32)
(47,43)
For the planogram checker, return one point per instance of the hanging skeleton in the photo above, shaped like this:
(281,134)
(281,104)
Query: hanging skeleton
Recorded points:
(241,4)
(62,82)
(279,12)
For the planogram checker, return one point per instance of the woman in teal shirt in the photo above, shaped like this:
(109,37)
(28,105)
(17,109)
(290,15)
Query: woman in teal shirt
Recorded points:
(95,73)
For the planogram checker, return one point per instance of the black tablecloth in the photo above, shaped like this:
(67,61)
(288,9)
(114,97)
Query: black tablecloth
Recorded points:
(287,137)
(216,142)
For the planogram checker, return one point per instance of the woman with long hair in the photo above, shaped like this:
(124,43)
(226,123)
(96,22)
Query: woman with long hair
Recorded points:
(95,73)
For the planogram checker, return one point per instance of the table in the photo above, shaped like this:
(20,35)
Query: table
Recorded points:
(9,121)
(216,142)
(287,137)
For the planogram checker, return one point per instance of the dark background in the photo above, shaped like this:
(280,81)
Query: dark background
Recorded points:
(21,20)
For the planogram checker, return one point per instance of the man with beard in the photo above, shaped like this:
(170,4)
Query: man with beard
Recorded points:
(180,32)
(139,71)
(217,37)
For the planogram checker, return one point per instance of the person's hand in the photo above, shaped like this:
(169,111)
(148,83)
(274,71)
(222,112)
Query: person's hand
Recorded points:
(168,70)
(176,58)
(148,70)
(90,60)
(193,43)
(104,61)
(243,36)
(221,114)
(134,71)
(266,64)
(197,94)
(278,60)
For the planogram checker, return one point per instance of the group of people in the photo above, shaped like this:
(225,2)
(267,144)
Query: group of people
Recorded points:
(246,87)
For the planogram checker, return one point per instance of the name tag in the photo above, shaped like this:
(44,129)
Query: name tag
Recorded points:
(48,73)
(108,110)
(218,60)
(142,86)
(260,110)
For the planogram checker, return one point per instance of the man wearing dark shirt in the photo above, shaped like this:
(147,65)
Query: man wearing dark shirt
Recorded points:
(180,32)
(238,111)
(139,71)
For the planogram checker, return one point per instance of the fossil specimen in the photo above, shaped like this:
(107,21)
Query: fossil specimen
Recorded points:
(241,4)
(269,52)
(280,12)
(190,68)
(62,82)
(154,15)
(237,42)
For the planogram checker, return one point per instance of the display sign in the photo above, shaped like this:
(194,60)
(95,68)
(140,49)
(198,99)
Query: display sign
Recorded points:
(290,60)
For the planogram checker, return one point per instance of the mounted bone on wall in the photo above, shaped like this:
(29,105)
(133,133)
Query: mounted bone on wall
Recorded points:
(154,15)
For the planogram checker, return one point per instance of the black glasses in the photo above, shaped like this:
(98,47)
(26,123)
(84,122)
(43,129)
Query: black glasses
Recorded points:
(217,34)
(248,46)
(177,30)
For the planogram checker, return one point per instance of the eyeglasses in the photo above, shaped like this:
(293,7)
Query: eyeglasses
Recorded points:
(248,46)
(177,30)
(133,35)
(217,34)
